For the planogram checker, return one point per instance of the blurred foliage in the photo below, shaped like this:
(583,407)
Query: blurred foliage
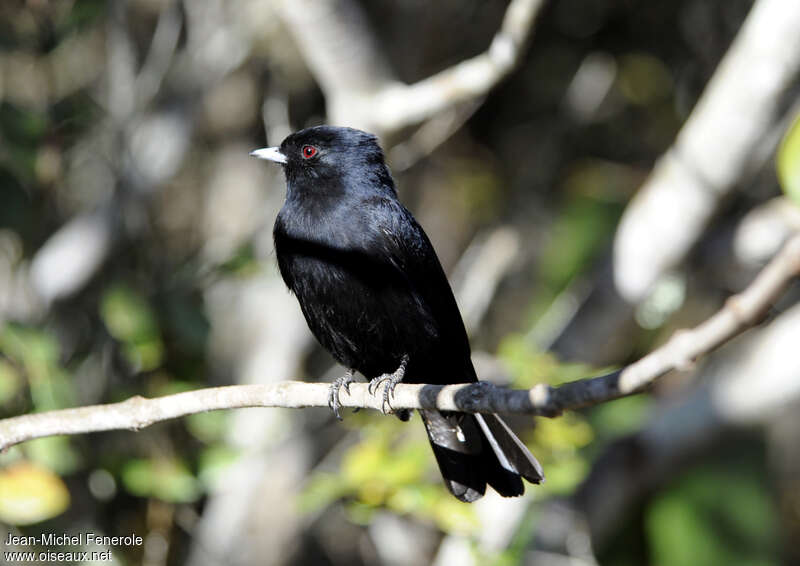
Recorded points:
(159,315)
(620,417)
(644,80)
(788,161)
(130,320)
(167,479)
(389,468)
(557,443)
(213,463)
(55,452)
(581,231)
(10,382)
(36,352)
(528,365)
(242,263)
(714,515)
(30,493)
(208,427)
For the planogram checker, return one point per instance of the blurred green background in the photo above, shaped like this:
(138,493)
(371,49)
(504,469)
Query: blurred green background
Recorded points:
(136,259)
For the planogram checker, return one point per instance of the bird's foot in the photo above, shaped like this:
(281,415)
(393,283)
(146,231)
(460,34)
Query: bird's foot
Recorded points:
(391,380)
(333,392)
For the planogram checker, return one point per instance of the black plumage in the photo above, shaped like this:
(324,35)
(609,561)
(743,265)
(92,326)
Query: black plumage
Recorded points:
(376,297)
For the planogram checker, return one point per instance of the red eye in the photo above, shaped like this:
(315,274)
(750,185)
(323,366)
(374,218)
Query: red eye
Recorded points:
(309,151)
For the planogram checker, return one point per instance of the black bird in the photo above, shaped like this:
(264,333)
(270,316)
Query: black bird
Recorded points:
(376,297)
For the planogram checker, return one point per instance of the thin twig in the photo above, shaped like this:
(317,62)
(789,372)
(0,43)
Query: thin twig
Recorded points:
(739,312)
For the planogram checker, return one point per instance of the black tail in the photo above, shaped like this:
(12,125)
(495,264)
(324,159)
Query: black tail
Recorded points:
(473,450)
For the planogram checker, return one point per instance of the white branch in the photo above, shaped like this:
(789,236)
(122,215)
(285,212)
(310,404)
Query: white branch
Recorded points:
(361,91)
(739,312)
(722,140)
(338,46)
(402,105)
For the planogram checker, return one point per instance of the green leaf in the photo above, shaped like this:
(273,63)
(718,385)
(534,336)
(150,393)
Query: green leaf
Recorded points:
(391,468)
(38,353)
(212,464)
(363,461)
(360,513)
(54,452)
(788,161)
(454,516)
(579,232)
(165,479)
(127,315)
(564,474)
(529,365)
(321,491)
(129,319)
(565,434)
(208,427)
(622,416)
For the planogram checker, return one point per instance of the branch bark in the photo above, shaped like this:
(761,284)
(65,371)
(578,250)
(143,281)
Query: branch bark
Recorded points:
(739,312)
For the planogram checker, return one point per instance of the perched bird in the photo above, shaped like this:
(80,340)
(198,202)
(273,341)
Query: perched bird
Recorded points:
(376,297)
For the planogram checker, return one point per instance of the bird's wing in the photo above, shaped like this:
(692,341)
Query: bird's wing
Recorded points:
(404,245)
(378,238)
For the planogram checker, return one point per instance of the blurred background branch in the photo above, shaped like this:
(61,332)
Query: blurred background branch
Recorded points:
(727,138)
(361,90)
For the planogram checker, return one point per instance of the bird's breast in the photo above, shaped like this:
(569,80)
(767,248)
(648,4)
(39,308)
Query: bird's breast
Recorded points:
(366,318)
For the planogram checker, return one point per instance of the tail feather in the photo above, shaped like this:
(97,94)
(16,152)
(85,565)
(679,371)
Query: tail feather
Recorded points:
(473,450)
(462,473)
(512,454)
(457,448)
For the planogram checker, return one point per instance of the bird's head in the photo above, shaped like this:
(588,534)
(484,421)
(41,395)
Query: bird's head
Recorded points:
(331,155)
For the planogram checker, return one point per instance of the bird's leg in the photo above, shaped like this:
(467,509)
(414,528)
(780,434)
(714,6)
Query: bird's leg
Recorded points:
(333,392)
(391,379)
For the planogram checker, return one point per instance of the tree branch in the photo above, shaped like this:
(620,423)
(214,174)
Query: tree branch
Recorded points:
(739,312)
(398,105)
(344,56)
(722,141)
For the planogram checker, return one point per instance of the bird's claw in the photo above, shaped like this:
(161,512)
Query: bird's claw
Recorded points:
(391,380)
(376,383)
(372,388)
(333,392)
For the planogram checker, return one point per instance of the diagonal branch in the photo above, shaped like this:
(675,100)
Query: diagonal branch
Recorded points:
(398,105)
(739,313)
(725,140)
